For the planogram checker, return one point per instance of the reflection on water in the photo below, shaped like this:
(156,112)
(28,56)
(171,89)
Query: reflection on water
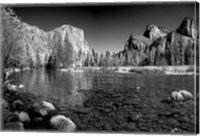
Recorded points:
(63,86)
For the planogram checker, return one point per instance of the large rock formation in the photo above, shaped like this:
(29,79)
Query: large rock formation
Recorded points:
(153,32)
(177,48)
(134,52)
(72,49)
(29,46)
(158,46)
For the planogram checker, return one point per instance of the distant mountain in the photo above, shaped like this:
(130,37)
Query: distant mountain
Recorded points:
(159,46)
(24,45)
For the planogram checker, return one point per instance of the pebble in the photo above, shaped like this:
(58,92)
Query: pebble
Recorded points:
(21,86)
(138,88)
(14,126)
(62,123)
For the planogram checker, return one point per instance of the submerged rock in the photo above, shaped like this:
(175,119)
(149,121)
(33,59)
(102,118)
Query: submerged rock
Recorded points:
(18,105)
(62,123)
(13,126)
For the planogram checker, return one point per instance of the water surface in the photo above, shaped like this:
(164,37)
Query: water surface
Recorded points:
(64,87)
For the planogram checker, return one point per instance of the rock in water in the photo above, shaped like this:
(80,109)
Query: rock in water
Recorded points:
(18,105)
(14,126)
(21,86)
(12,87)
(186,94)
(48,105)
(43,108)
(177,96)
(62,123)
(24,117)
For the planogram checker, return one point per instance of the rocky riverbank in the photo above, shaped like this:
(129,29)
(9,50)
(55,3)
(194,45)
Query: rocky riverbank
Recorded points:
(134,110)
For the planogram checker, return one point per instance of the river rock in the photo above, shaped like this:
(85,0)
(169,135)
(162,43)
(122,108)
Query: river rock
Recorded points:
(186,94)
(177,96)
(23,116)
(21,86)
(62,123)
(44,108)
(13,126)
(18,105)
(12,87)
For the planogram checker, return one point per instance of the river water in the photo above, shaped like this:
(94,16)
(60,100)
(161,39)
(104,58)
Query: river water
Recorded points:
(64,87)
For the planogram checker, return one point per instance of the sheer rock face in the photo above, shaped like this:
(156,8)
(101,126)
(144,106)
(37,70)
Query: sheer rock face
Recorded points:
(153,32)
(158,46)
(177,48)
(187,27)
(173,49)
(60,48)
(134,53)
(72,49)
(34,46)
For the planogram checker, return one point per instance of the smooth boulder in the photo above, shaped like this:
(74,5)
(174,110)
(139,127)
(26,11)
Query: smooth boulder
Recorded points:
(186,94)
(177,96)
(44,108)
(62,123)
(23,116)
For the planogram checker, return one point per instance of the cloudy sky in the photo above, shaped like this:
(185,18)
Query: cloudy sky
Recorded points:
(106,26)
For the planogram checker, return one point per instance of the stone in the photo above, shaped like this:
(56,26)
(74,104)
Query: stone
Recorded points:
(186,94)
(18,105)
(44,108)
(24,117)
(62,123)
(177,96)
(12,87)
(21,86)
(13,126)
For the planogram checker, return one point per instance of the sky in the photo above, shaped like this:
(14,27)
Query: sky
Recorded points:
(106,26)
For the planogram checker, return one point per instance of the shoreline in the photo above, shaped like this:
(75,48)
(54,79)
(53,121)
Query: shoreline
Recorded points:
(167,70)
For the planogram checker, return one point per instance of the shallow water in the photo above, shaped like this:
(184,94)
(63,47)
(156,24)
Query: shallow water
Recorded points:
(63,87)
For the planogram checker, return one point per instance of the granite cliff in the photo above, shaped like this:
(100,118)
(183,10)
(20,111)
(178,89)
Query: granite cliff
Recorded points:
(159,46)
(28,46)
